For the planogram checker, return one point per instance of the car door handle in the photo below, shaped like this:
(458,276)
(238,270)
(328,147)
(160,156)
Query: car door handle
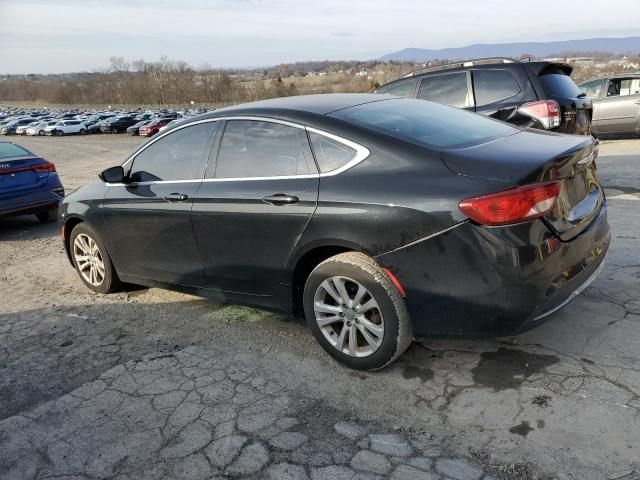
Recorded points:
(280,199)
(176,197)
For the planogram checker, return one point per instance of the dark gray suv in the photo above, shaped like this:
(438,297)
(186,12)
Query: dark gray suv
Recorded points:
(530,94)
(616,104)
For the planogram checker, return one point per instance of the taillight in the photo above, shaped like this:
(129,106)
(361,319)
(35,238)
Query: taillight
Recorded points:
(512,206)
(46,167)
(546,112)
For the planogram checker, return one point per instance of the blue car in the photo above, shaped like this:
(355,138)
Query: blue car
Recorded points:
(28,184)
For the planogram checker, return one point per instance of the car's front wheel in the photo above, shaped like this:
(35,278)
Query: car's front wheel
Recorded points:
(356,313)
(91,260)
(59,133)
(41,133)
(83,131)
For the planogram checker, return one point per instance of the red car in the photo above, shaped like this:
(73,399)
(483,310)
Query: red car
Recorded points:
(151,129)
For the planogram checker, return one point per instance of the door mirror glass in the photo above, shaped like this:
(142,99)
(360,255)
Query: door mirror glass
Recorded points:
(112,175)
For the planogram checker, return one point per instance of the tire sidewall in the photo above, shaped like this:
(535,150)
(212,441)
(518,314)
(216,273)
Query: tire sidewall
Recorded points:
(389,347)
(109,273)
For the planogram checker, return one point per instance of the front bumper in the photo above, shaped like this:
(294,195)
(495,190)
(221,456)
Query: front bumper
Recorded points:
(474,281)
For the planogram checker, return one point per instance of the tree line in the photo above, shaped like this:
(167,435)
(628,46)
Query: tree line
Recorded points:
(169,82)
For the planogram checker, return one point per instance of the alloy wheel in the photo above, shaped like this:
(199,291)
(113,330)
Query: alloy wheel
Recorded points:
(88,259)
(348,316)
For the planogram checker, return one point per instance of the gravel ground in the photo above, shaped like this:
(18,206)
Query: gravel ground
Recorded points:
(156,384)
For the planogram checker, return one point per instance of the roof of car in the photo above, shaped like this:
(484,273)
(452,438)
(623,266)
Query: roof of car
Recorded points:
(321,104)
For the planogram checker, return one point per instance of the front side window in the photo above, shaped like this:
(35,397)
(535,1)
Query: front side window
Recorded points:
(252,148)
(592,89)
(491,86)
(180,155)
(449,89)
(402,88)
(620,87)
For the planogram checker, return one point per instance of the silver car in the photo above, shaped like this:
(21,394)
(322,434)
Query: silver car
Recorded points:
(616,104)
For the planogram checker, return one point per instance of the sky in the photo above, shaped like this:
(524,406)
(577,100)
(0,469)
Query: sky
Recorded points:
(55,36)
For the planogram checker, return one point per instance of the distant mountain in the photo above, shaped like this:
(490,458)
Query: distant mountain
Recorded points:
(539,49)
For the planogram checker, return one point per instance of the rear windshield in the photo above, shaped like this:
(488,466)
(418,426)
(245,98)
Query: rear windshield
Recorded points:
(8,150)
(559,85)
(425,123)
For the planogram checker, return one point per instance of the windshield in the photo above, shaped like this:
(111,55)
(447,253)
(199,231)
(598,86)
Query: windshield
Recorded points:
(425,123)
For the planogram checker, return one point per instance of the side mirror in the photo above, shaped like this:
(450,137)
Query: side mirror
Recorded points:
(112,175)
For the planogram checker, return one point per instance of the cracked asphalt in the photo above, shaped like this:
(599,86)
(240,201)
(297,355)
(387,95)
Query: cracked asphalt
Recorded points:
(152,384)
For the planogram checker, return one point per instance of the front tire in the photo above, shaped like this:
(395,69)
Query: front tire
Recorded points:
(59,133)
(356,313)
(114,130)
(83,131)
(41,133)
(91,260)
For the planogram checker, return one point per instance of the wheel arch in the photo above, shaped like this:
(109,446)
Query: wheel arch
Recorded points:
(307,260)
(68,226)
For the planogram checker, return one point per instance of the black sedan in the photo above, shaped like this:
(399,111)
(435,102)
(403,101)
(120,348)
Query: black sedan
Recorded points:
(378,218)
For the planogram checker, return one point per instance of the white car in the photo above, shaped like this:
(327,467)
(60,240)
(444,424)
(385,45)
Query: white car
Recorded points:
(22,129)
(66,127)
(38,128)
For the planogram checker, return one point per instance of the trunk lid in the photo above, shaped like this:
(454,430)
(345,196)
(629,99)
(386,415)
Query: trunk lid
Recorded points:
(21,174)
(529,157)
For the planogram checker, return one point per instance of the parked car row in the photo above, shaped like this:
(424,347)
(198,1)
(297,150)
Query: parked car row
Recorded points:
(58,123)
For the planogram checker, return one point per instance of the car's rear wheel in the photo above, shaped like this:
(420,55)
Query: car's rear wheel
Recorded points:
(356,313)
(48,216)
(41,133)
(91,260)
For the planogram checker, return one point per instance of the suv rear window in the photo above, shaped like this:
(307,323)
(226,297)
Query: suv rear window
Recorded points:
(8,150)
(425,123)
(493,85)
(559,85)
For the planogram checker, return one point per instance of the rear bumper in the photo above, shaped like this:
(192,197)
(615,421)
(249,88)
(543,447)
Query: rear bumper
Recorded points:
(473,281)
(31,201)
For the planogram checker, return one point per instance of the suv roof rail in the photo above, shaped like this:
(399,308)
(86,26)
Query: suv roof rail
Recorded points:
(462,63)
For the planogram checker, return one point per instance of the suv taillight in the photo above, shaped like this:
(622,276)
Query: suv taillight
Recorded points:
(546,112)
(46,167)
(515,205)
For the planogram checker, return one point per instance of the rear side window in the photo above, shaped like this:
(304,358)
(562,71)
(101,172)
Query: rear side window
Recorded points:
(491,86)
(8,150)
(449,89)
(592,89)
(330,154)
(559,85)
(251,148)
(402,88)
(180,155)
(427,124)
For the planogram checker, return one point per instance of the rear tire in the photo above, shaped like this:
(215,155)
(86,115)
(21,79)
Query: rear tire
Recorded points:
(48,216)
(41,133)
(379,313)
(92,261)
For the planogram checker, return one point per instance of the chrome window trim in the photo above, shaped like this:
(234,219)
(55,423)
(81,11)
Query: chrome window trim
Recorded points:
(362,153)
